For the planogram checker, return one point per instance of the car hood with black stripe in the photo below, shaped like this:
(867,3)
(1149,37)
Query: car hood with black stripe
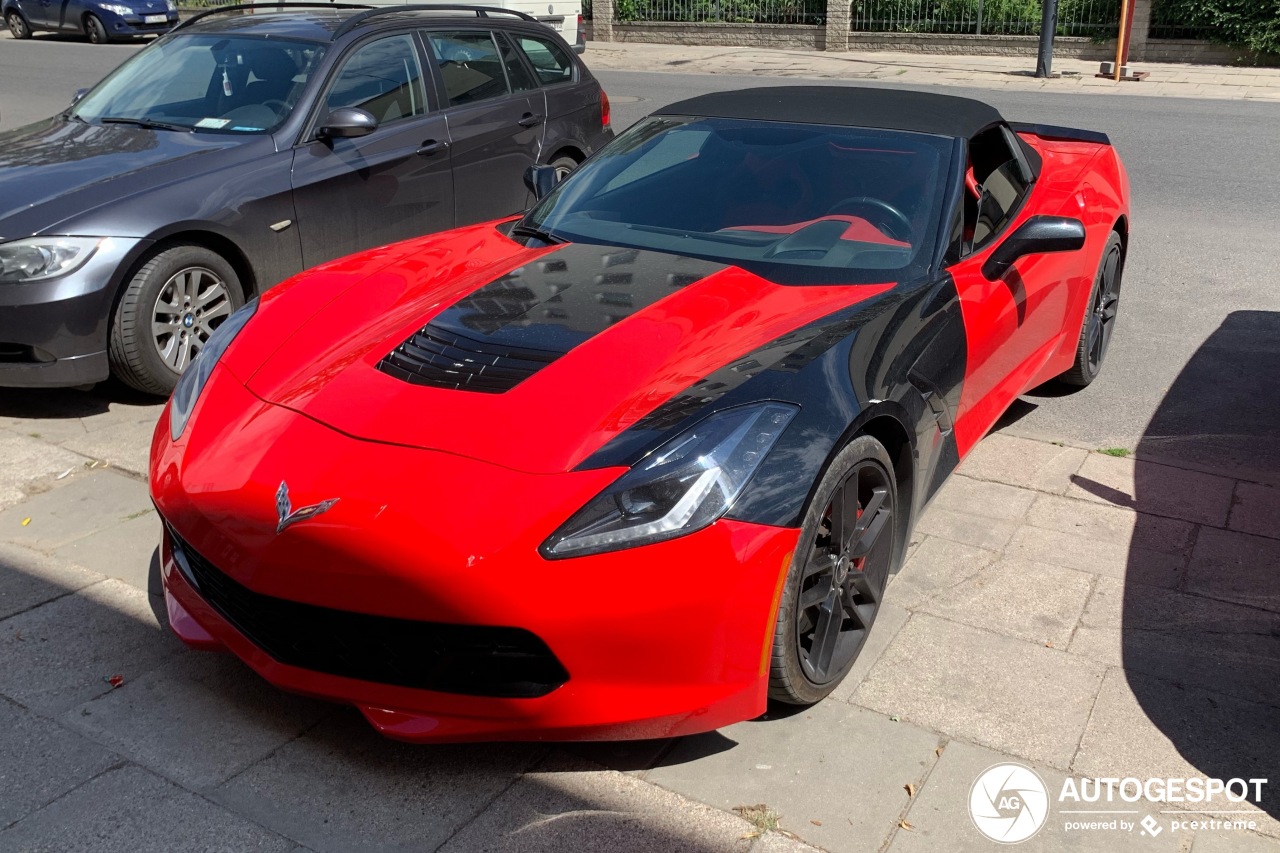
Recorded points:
(530,358)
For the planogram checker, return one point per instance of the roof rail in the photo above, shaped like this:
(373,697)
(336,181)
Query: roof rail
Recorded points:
(480,12)
(277,6)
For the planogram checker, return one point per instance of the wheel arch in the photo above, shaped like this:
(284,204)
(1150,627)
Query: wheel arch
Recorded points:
(1121,227)
(206,238)
(160,242)
(886,423)
(568,150)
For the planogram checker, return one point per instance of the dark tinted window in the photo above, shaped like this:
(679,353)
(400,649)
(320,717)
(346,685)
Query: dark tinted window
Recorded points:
(813,203)
(518,76)
(382,77)
(550,61)
(470,66)
(999,185)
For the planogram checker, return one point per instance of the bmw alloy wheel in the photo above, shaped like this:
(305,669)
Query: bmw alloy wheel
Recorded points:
(192,303)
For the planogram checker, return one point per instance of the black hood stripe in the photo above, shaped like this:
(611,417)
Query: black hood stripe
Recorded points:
(783,356)
(503,333)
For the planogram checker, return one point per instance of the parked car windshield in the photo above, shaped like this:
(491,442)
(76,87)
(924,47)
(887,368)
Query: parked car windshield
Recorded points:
(205,82)
(801,203)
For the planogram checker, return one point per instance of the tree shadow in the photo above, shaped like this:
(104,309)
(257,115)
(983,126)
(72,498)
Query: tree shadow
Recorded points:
(1200,637)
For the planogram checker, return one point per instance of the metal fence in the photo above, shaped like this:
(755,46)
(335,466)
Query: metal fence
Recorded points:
(1169,20)
(723,11)
(1092,18)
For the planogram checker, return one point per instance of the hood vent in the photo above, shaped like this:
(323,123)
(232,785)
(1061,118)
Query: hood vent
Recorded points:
(508,330)
(443,358)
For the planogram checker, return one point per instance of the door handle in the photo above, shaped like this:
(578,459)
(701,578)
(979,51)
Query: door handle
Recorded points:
(432,146)
(530,120)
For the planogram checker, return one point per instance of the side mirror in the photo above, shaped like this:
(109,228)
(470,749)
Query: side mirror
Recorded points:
(347,123)
(1037,235)
(79,93)
(540,180)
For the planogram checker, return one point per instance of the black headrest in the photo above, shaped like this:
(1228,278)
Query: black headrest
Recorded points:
(272,63)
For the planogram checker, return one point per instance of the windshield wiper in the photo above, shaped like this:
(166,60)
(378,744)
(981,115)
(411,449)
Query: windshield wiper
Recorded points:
(537,234)
(148,124)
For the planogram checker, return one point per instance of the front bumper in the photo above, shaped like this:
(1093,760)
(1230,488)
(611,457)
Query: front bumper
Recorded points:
(54,333)
(658,641)
(135,25)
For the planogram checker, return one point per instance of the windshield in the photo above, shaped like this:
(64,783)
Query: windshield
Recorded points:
(208,82)
(797,203)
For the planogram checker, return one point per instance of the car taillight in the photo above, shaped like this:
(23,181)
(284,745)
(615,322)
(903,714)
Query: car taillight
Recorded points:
(604,109)
(580,38)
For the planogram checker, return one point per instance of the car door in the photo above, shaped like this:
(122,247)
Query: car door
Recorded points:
(496,118)
(574,118)
(41,13)
(1012,323)
(394,183)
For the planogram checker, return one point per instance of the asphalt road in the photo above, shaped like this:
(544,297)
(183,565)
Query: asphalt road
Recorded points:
(1205,245)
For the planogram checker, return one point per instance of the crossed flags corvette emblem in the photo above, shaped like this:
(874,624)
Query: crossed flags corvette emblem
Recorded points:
(287,515)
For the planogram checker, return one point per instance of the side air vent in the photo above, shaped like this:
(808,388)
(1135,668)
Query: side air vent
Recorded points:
(443,358)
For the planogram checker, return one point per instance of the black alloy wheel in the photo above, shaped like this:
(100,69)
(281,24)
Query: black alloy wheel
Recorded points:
(95,29)
(838,575)
(1100,317)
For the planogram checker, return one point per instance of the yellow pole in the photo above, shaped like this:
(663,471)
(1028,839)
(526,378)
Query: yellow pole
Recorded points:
(1124,20)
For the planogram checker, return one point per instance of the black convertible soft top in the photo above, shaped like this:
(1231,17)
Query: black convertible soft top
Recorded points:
(851,106)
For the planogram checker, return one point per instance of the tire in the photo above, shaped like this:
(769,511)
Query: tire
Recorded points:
(1099,318)
(18,25)
(95,29)
(798,673)
(564,164)
(185,287)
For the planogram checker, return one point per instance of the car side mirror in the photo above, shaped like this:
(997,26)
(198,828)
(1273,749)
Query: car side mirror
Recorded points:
(1038,235)
(540,180)
(79,93)
(347,123)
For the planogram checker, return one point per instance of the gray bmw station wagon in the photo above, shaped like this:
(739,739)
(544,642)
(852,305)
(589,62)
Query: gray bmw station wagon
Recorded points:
(251,143)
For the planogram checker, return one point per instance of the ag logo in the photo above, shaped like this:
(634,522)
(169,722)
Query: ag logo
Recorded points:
(1008,803)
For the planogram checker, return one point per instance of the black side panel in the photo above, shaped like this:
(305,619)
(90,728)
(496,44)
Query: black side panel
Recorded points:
(900,354)
(503,333)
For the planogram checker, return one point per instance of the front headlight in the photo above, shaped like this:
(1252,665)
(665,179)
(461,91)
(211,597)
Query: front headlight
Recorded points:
(118,8)
(173,7)
(192,382)
(683,486)
(37,258)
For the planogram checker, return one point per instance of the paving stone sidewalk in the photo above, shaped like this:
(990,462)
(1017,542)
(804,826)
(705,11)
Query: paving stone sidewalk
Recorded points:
(997,72)
(1082,614)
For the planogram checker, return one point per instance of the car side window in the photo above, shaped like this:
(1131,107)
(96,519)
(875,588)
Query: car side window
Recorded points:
(996,190)
(383,78)
(549,60)
(518,74)
(471,67)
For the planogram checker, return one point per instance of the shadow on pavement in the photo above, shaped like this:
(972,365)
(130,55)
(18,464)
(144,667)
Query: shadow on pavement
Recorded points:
(311,771)
(62,403)
(1201,652)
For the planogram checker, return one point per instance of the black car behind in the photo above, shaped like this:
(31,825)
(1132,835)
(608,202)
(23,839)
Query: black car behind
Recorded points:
(243,148)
